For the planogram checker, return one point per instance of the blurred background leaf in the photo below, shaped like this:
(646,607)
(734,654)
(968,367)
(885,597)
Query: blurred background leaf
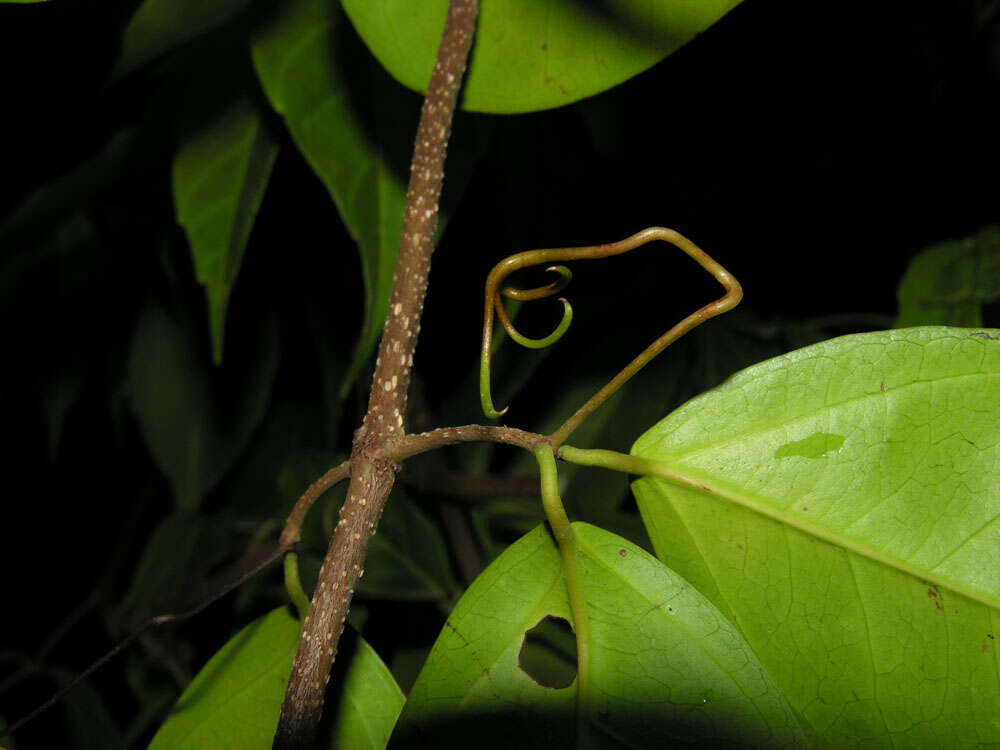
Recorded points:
(160,25)
(196,421)
(950,283)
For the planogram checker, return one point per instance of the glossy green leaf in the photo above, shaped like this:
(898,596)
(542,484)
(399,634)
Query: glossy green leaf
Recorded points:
(365,700)
(219,176)
(160,25)
(948,283)
(666,668)
(840,505)
(234,701)
(307,75)
(534,54)
(196,419)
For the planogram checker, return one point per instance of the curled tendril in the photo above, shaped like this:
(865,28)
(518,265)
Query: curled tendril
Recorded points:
(495,302)
(732,297)
(527,295)
(541,292)
(541,343)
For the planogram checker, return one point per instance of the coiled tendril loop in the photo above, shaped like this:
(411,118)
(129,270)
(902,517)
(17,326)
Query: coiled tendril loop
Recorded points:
(493,301)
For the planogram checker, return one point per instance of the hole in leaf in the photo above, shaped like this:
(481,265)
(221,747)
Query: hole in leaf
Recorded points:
(548,653)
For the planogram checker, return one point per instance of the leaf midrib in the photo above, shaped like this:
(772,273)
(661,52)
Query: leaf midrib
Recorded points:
(701,484)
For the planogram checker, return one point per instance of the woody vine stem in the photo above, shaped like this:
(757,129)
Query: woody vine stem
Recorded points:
(381,441)
(372,471)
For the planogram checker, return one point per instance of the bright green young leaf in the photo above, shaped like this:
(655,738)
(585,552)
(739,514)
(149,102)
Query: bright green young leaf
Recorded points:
(219,176)
(307,75)
(666,669)
(534,54)
(159,25)
(840,505)
(948,283)
(196,419)
(235,699)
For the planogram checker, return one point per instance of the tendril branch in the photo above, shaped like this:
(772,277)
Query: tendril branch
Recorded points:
(502,270)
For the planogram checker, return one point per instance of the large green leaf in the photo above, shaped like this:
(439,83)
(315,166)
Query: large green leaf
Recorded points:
(948,283)
(235,699)
(307,75)
(195,419)
(534,54)
(219,176)
(840,505)
(666,669)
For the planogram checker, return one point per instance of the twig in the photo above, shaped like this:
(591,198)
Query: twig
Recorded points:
(293,526)
(373,472)
(411,445)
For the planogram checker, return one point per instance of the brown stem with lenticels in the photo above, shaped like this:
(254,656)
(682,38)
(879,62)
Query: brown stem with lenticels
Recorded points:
(372,470)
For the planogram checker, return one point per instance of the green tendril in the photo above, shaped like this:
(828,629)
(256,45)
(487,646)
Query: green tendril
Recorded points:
(549,340)
(504,268)
(293,585)
(541,292)
(494,302)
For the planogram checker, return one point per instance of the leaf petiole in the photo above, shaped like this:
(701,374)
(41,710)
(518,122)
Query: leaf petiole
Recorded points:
(562,530)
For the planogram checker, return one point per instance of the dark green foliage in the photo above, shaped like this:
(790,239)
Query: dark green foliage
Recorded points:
(818,150)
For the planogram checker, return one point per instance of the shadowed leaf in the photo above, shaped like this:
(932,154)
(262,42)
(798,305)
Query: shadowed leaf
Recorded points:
(666,668)
(948,283)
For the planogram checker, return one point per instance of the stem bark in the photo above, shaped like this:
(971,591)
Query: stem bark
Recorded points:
(372,471)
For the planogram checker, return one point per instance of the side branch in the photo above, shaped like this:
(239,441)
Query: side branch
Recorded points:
(412,445)
(293,526)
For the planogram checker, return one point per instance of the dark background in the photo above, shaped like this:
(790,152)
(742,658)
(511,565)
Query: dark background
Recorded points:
(812,148)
